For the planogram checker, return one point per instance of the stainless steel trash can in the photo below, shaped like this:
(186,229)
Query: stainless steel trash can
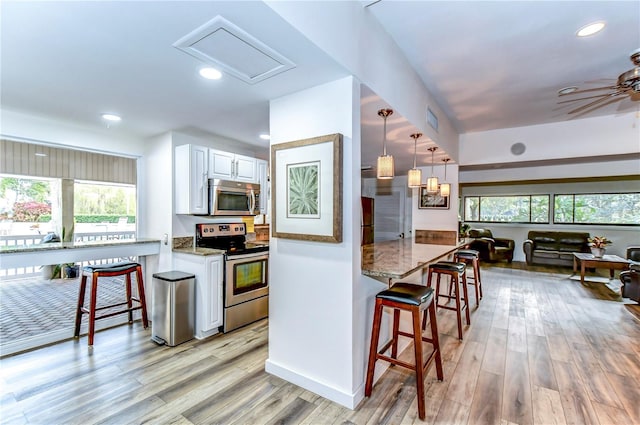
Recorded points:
(173,317)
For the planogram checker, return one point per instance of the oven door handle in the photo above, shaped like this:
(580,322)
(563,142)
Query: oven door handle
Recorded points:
(254,255)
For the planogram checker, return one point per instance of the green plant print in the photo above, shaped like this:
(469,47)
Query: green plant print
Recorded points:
(303,190)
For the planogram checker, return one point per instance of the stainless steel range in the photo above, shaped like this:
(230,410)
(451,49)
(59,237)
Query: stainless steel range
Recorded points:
(246,277)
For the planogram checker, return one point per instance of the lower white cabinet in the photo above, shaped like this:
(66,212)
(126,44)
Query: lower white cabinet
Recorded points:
(208,271)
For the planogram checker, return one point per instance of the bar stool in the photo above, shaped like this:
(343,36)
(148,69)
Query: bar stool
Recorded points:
(415,299)
(471,257)
(457,273)
(109,270)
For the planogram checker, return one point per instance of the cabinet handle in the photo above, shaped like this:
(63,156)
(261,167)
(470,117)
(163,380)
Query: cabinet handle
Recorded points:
(233,168)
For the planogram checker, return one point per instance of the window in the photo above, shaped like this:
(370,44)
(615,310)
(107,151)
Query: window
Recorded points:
(507,209)
(104,211)
(597,208)
(26,205)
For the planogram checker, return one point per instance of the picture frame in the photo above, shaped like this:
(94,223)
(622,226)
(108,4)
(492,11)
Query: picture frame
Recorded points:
(432,201)
(306,189)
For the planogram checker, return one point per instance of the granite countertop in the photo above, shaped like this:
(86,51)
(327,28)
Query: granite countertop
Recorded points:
(399,258)
(199,251)
(12,249)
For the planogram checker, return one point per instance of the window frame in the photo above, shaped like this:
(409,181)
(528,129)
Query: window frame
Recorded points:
(574,223)
(530,196)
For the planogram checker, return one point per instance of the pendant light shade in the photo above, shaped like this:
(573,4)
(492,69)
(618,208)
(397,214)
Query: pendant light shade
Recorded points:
(414,178)
(445,188)
(432,182)
(385,162)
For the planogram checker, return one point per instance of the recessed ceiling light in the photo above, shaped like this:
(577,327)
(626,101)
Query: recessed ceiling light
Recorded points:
(567,90)
(590,29)
(210,73)
(41,154)
(111,117)
(265,137)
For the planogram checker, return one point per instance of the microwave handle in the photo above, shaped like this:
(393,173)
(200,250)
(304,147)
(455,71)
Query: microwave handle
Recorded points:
(252,201)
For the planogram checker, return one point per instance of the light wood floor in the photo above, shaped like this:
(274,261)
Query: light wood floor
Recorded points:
(541,349)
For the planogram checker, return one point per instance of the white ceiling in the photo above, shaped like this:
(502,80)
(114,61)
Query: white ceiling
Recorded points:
(488,64)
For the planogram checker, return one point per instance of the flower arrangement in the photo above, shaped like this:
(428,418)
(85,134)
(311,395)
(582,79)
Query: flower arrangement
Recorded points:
(599,241)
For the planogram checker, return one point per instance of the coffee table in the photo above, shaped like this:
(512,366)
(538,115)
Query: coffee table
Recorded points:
(611,262)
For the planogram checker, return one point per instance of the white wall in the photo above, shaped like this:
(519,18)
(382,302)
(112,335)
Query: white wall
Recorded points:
(155,207)
(351,35)
(589,137)
(437,219)
(33,128)
(313,341)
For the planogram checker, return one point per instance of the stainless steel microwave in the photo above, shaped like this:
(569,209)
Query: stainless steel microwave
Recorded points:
(231,198)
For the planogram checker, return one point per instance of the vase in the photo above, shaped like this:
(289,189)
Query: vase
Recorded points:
(597,252)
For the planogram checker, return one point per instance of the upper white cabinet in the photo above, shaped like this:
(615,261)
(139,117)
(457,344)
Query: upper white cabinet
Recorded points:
(230,166)
(265,187)
(191,179)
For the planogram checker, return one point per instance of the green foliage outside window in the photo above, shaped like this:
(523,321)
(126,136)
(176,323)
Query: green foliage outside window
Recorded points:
(507,209)
(597,208)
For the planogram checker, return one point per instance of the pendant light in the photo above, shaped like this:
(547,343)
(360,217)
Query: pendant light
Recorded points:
(414,178)
(432,182)
(445,188)
(385,162)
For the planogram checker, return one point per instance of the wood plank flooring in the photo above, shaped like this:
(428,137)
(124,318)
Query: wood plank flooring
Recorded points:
(541,349)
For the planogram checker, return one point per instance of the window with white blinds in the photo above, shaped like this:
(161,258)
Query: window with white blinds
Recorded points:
(30,159)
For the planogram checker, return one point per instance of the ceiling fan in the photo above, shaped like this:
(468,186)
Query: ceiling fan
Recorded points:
(628,84)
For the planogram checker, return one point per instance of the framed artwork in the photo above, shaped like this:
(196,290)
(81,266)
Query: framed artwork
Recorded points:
(306,189)
(428,200)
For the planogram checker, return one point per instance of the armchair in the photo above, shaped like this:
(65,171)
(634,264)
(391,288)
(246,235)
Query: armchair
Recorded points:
(631,282)
(490,248)
(633,254)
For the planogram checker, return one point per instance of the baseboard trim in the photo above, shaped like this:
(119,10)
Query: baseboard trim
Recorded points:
(347,400)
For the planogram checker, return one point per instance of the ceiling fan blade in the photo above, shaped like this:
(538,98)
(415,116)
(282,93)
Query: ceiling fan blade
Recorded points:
(596,102)
(595,105)
(582,98)
(589,90)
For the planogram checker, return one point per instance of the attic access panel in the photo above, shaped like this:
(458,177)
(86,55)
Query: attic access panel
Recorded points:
(234,51)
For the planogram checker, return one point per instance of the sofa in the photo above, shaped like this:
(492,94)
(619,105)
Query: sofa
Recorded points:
(631,282)
(554,248)
(490,248)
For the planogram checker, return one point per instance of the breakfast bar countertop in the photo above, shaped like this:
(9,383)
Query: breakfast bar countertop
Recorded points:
(68,252)
(14,249)
(399,258)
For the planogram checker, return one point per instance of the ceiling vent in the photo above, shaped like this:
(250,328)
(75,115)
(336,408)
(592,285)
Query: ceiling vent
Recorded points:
(221,43)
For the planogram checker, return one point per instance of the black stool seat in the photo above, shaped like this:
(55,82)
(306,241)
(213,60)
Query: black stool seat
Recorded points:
(407,293)
(448,266)
(471,257)
(468,254)
(115,267)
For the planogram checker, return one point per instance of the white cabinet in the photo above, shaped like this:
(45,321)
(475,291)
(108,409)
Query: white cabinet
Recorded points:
(208,271)
(190,175)
(265,187)
(230,166)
